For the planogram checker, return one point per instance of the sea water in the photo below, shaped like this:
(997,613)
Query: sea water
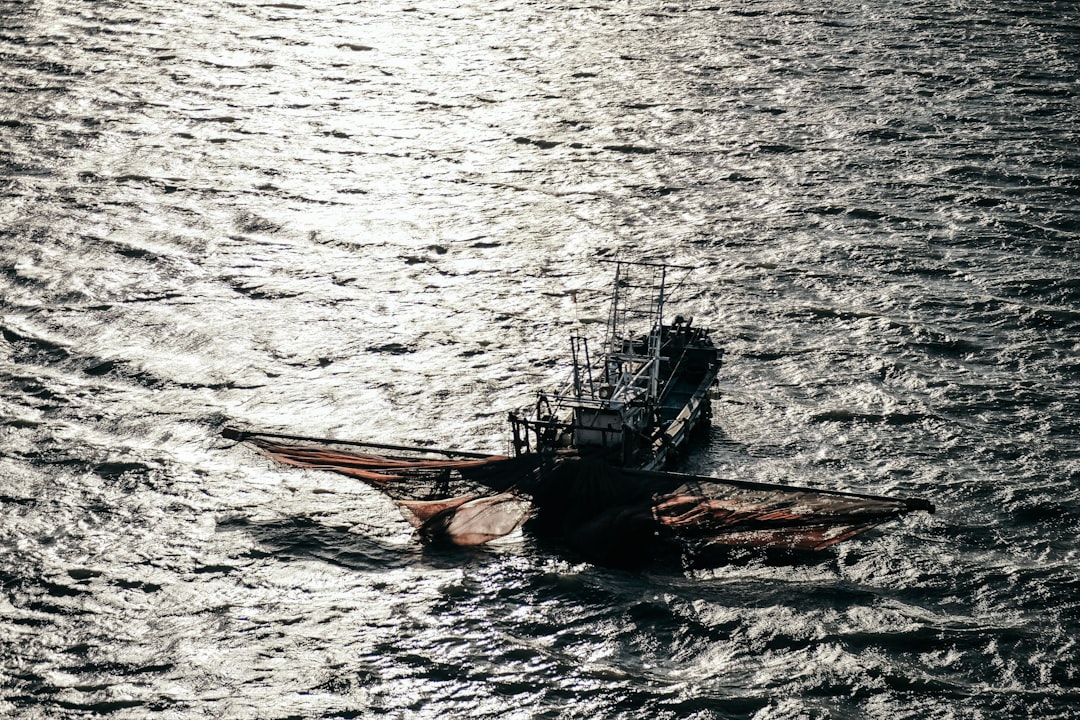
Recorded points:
(383,221)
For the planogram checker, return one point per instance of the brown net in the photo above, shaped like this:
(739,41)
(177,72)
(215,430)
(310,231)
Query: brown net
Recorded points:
(407,477)
(469,498)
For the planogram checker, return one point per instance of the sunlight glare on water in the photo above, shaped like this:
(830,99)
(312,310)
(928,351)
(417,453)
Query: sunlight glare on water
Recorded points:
(382,222)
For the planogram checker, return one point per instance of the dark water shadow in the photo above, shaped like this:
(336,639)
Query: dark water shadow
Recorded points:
(717,556)
(678,560)
(311,538)
(307,538)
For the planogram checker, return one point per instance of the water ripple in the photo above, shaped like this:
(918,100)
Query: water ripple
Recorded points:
(369,222)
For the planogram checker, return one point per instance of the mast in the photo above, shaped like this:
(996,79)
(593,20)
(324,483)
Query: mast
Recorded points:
(655,338)
(613,324)
(635,327)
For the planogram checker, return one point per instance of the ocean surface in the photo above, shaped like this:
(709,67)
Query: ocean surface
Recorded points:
(372,220)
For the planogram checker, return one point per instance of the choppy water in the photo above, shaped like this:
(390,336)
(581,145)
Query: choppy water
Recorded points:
(366,219)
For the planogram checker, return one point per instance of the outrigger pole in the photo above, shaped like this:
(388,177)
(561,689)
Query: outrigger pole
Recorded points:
(232,433)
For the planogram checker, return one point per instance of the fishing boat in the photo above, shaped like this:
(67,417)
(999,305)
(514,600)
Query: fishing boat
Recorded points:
(588,465)
(638,406)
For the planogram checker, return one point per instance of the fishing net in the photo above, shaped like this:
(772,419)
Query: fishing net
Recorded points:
(468,499)
(407,477)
